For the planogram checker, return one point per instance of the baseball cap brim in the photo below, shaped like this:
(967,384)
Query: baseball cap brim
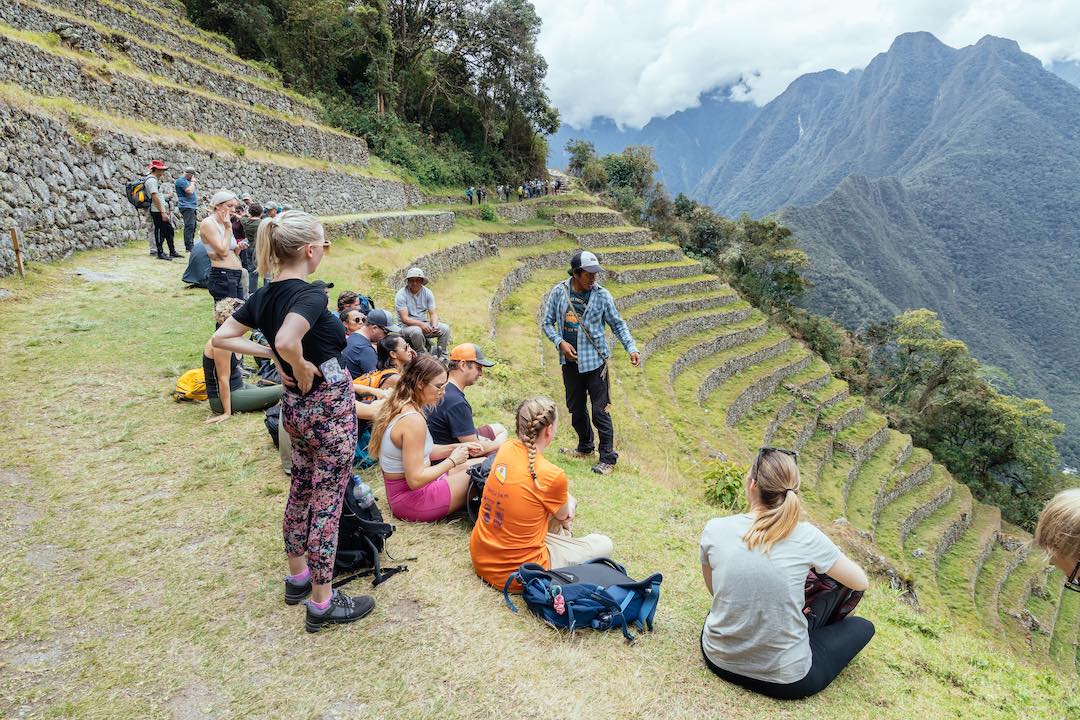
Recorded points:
(485,363)
(591,268)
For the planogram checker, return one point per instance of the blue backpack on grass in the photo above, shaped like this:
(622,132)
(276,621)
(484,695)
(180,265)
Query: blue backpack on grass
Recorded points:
(597,595)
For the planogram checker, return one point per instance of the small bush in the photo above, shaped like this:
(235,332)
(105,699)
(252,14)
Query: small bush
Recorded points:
(724,485)
(488,213)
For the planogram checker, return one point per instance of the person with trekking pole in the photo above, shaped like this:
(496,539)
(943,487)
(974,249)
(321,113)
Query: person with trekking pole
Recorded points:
(577,310)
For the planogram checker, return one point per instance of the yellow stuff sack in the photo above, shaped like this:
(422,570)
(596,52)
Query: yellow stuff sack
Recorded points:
(190,386)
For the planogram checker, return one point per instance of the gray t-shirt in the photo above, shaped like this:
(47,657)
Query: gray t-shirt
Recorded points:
(756,627)
(418,305)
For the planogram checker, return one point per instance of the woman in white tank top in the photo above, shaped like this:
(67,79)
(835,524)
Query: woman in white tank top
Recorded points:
(215,231)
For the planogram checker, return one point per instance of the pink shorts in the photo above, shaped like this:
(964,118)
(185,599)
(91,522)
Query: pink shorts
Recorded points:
(425,504)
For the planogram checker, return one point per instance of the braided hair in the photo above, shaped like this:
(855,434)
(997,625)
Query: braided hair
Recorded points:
(533,415)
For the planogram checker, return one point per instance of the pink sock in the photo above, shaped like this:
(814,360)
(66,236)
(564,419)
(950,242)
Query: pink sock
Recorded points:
(300,578)
(321,606)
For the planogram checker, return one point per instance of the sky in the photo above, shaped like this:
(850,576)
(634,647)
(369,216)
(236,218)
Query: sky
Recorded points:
(632,60)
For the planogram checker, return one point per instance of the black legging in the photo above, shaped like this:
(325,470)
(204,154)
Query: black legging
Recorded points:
(832,646)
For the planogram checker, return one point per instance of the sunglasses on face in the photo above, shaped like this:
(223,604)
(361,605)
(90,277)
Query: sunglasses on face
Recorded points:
(1073,581)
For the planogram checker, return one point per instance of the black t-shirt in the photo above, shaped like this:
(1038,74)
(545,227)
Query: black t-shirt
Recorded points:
(451,418)
(266,310)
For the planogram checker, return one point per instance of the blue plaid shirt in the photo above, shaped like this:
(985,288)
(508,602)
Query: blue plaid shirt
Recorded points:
(600,310)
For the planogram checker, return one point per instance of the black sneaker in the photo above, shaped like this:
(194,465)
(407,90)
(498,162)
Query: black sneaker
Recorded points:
(343,609)
(174,254)
(162,256)
(295,592)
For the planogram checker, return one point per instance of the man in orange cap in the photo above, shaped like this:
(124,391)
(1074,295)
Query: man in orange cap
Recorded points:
(451,420)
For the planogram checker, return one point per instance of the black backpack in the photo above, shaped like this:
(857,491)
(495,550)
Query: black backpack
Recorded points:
(478,475)
(135,192)
(271,421)
(362,538)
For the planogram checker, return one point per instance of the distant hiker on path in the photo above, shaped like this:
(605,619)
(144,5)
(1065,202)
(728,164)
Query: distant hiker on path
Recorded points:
(577,310)
(188,201)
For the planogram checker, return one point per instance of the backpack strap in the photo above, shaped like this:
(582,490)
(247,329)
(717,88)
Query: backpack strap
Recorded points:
(506,589)
(648,605)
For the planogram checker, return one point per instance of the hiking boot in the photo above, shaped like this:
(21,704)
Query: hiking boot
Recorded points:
(163,256)
(575,453)
(174,254)
(343,609)
(603,468)
(295,592)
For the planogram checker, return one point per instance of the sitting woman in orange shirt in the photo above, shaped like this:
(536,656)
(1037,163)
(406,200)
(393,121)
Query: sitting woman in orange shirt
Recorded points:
(527,512)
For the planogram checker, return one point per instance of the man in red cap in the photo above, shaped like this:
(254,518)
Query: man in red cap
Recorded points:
(159,211)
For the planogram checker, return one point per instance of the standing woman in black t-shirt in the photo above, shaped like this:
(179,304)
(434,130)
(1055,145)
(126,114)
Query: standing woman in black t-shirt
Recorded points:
(316,408)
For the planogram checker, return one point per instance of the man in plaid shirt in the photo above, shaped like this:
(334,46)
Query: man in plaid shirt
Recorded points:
(576,312)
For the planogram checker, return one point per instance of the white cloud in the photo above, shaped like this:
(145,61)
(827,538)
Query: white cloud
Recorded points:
(632,60)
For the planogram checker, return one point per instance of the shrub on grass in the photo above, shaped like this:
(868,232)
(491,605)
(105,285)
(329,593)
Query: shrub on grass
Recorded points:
(488,213)
(724,485)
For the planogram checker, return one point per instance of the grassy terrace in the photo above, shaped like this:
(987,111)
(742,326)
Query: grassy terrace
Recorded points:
(866,486)
(169,564)
(956,571)
(921,545)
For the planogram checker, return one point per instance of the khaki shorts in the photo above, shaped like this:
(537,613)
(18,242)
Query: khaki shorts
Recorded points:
(566,550)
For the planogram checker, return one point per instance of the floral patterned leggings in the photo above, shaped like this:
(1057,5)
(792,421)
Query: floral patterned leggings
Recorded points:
(322,426)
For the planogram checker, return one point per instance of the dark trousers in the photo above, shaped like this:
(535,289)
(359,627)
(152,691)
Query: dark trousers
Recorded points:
(223,283)
(247,259)
(833,646)
(582,388)
(163,233)
(189,227)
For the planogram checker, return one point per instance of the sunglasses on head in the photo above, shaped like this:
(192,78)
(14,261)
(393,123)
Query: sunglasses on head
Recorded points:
(1073,581)
(794,454)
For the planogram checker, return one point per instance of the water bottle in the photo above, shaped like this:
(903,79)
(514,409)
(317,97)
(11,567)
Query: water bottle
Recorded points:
(362,492)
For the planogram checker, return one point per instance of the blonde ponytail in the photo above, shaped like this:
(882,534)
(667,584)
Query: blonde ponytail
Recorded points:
(281,238)
(777,477)
(533,415)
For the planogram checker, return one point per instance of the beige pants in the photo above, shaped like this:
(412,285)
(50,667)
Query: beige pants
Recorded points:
(284,447)
(566,550)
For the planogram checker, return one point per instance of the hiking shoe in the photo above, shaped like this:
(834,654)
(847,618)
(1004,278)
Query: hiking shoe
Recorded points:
(343,609)
(295,592)
(175,255)
(575,453)
(603,468)
(162,256)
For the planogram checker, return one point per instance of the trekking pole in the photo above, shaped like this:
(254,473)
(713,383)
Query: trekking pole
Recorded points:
(18,252)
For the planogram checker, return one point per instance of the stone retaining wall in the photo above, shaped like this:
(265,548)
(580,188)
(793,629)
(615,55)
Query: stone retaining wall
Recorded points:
(689,326)
(908,484)
(849,417)
(861,453)
(956,528)
(614,239)
(441,262)
(781,417)
(811,386)
(45,73)
(659,291)
(660,272)
(162,13)
(639,257)
(763,388)
(924,511)
(720,374)
(521,238)
(1019,556)
(518,277)
(715,345)
(405,225)
(806,432)
(980,560)
(588,219)
(66,193)
(175,67)
(826,461)
(169,37)
(677,307)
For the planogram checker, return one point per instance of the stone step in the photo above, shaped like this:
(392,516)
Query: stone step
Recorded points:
(44,70)
(760,382)
(912,474)
(645,313)
(588,218)
(1006,555)
(603,237)
(864,489)
(628,295)
(899,518)
(670,329)
(657,271)
(168,36)
(741,358)
(89,37)
(961,564)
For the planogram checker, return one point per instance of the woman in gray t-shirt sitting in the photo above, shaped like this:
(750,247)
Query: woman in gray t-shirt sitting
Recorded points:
(758,634)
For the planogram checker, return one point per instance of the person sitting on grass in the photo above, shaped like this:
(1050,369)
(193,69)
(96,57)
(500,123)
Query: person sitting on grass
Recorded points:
(451,421)
(394,355)
(360,354)
(1058,534)
(527,512)
(415,305)
(424,481)
(235,395)
(760,634)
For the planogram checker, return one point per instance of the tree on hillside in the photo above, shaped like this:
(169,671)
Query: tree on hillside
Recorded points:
(581,153)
